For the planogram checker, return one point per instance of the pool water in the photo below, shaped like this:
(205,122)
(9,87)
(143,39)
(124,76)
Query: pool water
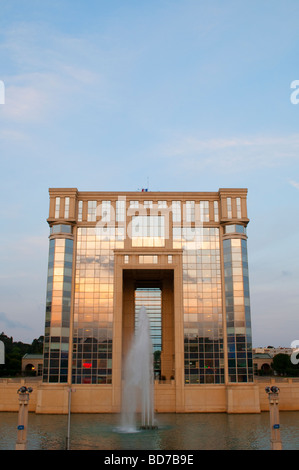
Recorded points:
(207,431)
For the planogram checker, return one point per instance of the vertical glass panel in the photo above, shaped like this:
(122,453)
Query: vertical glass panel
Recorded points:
(66,207)
(238,310)
(58,306)
(80,211)
(93,305)
(190,211)
(203,332)
(229,207)
(120,210)
(216,211)
(106,211)
(176,211)
(91,211)
(204,211)
(57,207)
(238,202)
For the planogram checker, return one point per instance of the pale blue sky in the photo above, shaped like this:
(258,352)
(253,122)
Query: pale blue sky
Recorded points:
(188,94)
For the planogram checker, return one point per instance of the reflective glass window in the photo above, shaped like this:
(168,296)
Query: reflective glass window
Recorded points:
(204,211)
(120,210)
(216,211)
(238,309)
(80,211)
(57,207)
(58,304)
(93,305)
(176,211)
(190,211)
(66,207)
(106,211)
(203,332)
(229,207)
(91,211)
(238,203)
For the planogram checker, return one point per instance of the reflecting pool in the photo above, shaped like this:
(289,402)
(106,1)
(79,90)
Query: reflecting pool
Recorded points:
(208,431)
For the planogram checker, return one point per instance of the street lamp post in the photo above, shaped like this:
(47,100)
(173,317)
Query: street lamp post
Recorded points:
(23,393)
(273,395)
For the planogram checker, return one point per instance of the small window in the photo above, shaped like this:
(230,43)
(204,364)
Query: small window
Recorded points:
(239,212)
(91,211)
(120,210)
(176,211)
(80,211)
(216,211)
(229,207)
(190,211)
(57,207)
(66,207)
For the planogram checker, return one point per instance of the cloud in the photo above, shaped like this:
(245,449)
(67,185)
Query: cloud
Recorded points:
(52,72)
(9,323)
(233,154)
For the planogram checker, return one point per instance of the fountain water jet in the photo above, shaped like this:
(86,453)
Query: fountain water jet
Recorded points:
(138,392)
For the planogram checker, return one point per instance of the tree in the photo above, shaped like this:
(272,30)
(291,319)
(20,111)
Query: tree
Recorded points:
(37,346)
(14,351)
(281,363)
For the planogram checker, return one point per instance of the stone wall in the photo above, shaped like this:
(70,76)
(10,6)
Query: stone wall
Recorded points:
(234,398)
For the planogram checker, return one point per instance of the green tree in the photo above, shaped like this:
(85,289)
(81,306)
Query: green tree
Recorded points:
(14,351)
(281,363)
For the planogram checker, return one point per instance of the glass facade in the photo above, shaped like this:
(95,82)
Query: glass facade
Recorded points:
(58,309)
(93,305)
(203,331)
(237,304)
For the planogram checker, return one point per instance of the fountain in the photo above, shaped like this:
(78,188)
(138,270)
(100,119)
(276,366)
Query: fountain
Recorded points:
(138,392)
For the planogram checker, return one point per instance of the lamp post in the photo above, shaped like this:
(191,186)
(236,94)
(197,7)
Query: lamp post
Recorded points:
(23,393)
(273,395)
(70,390)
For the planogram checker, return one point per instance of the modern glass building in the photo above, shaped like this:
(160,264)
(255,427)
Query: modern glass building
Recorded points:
(181,254)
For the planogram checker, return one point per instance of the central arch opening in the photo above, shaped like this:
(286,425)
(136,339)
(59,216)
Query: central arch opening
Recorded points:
(151,299)
(153,288)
